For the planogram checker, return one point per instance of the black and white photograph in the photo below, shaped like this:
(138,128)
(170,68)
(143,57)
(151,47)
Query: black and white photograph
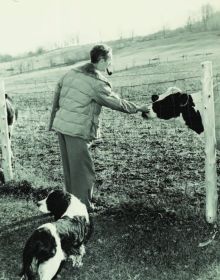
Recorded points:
(109,139)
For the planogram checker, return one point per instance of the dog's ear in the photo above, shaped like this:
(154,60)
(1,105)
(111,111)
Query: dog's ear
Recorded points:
(154,97)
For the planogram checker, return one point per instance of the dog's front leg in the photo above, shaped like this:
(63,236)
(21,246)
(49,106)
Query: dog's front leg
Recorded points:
(77,259)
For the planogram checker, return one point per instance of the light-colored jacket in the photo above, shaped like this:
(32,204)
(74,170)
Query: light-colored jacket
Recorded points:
(79,97)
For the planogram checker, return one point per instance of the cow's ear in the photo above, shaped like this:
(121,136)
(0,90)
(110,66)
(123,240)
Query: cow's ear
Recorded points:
(154,97)
(183,99)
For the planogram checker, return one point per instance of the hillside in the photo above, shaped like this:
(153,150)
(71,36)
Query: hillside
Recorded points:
(127,53)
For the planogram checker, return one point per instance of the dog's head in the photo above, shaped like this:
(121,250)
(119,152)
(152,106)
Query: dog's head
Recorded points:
(60,203)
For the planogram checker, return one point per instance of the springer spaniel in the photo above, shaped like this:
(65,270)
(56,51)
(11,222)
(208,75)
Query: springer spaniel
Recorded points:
(52,243)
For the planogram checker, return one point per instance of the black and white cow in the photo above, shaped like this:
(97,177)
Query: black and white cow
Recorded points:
(176,104)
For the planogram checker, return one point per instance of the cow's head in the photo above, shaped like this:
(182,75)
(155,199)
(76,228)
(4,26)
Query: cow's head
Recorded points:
(172,104)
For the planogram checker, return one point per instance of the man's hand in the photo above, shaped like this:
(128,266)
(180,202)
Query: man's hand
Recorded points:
(143,109)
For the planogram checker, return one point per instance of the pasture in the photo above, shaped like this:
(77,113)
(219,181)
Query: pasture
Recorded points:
(149,192)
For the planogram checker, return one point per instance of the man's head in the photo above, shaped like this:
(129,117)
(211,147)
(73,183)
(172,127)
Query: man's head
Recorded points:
(101,57)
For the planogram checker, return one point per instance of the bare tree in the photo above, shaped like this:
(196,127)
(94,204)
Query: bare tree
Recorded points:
(132,35)
(77,39)
(164,31)
(189,24)
(207,12)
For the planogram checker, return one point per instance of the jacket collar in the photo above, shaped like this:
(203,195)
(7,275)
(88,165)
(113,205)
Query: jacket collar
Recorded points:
(90,70)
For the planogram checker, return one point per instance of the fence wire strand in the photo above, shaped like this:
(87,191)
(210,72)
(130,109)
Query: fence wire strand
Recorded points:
(127,140)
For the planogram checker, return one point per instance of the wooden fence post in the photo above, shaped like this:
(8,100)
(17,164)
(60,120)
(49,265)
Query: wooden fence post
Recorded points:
(210,143)
(4,137)
(217,113)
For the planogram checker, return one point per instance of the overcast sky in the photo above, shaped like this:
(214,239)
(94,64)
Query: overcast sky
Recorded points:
(26,25)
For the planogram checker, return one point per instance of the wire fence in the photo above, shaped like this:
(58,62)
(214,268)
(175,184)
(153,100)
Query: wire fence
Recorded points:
(134,153)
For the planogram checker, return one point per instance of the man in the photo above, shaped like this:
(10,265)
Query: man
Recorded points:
(79,97)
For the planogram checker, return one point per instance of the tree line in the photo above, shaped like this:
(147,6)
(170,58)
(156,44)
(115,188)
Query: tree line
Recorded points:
(209,20)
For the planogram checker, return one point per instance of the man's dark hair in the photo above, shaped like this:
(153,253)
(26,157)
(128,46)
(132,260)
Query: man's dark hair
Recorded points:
(98,52)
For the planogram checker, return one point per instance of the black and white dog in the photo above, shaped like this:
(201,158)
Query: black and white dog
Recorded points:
(176,104)
(52,243)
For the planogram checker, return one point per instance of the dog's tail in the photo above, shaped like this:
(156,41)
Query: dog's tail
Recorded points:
(39,248)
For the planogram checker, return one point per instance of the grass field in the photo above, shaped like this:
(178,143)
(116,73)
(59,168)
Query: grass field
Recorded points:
(150,192)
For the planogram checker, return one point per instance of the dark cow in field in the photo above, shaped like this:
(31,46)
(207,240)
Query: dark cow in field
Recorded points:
(176,104)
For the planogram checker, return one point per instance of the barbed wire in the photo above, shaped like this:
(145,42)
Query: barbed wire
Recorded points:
(34,109)
(150,74)
(28,92)
(162,82)
(49,90)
